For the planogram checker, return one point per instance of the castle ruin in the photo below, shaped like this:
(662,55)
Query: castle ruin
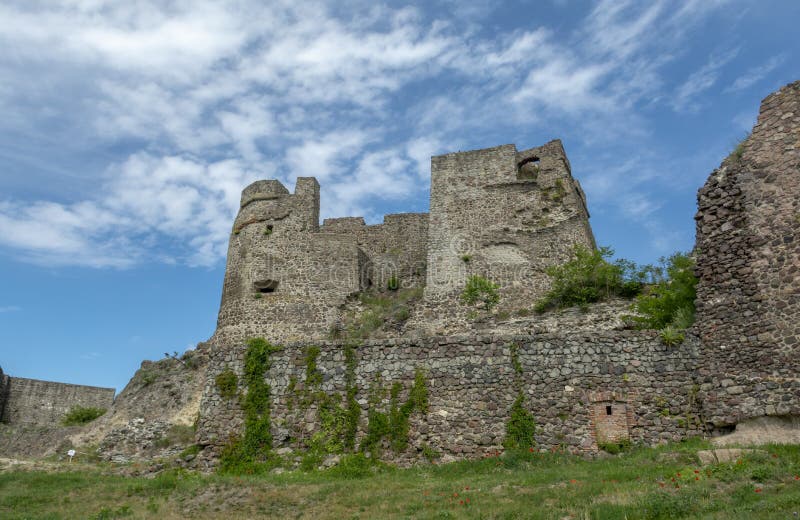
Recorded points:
(506,215)
(497,212)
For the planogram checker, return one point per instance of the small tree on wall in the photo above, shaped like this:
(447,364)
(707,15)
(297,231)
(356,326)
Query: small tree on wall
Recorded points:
(480,290)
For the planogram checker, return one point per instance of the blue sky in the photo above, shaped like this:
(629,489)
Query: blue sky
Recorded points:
(128,130)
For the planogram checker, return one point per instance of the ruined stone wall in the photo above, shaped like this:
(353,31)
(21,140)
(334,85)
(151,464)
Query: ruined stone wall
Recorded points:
(398,247)
(616,384)
(44,403)
(4,380)
(748,263)
(505,215)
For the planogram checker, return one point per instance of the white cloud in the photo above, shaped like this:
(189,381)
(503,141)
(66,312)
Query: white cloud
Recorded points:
(193,100)
(756,74)
(146,198)
(700,81)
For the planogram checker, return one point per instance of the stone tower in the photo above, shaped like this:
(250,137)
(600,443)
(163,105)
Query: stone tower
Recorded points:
(283,277)
(506,215)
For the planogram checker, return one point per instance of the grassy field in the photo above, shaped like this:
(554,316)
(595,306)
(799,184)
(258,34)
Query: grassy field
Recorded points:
(665,482)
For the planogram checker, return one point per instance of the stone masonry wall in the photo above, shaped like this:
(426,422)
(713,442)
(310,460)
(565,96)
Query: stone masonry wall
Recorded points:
(398,247)
(505,215)
(4,380)
(748,263)
(286,278)
(613,384)
(44,403)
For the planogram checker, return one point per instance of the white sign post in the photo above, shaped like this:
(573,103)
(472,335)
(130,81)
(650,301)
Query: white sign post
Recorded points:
(71,453)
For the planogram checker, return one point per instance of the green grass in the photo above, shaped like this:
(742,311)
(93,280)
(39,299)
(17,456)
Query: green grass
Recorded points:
(664,482)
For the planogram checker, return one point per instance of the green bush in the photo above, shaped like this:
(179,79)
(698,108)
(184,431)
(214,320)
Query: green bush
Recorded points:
(393,284)
(227,383)
(615,448)
(353,466)
(669,301)
(589,277)
(81,415)
(480,290)
(148,377)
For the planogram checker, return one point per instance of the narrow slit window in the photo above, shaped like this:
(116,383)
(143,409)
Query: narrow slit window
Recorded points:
(608,410)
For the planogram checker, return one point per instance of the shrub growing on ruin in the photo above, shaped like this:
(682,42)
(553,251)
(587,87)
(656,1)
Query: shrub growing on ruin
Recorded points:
(227,383)
(78,415)
(669,300)
(393,283)
(589,277)
(671,336)
(480,290)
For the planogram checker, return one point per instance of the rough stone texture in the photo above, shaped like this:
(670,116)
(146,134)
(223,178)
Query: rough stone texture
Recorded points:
(162,396)
(708,457)
(497,212)
(398,247)
(44,403)
(748,263)
(763,430)
(505,215)
(286,278)
(4,380)
(470,382)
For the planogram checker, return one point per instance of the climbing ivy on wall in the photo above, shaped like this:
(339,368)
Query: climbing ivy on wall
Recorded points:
(255,444)
(353,413)
(521,425)
(338,421)
(393,424)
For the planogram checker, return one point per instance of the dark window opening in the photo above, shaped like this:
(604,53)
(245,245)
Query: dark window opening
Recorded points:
(529,168)
(266,286)
(608,410)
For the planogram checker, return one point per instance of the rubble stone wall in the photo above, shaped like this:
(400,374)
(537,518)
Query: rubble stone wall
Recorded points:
(748,263)
(569,382)
(505,215)
(44,403)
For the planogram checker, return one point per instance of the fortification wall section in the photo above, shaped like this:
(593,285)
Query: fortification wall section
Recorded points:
(44,403)
(287,290)
(748,258)
(284,280)
(581,388)
(4,380)
(398,247)
(505,215)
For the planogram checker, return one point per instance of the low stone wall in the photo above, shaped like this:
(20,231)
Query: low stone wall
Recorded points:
(44,403)
(582,389)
